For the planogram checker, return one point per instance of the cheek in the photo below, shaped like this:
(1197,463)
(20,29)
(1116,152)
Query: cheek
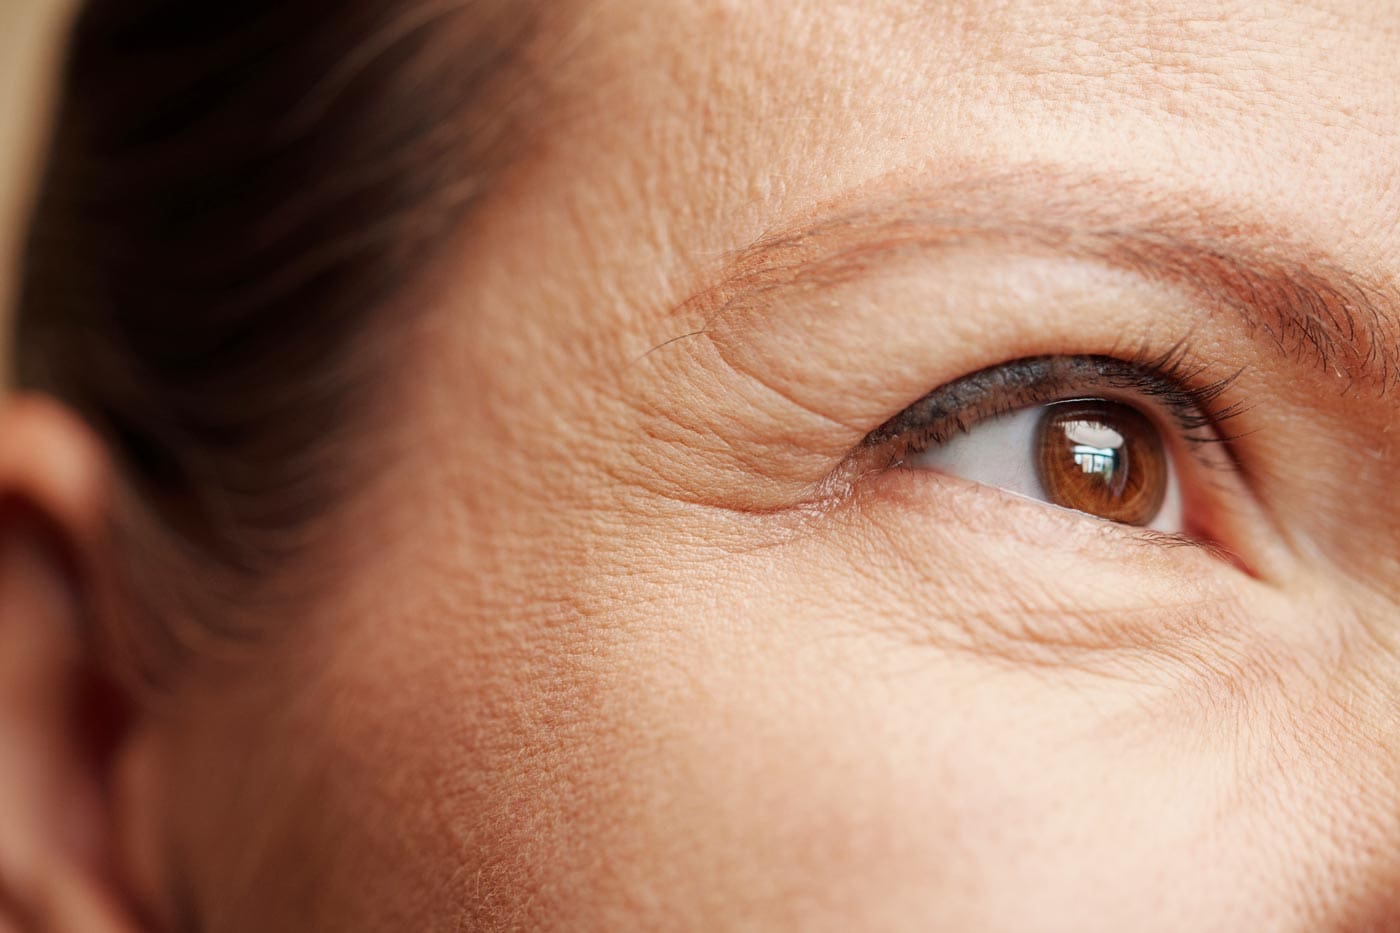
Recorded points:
(777,766)
(765,745)
(847,729)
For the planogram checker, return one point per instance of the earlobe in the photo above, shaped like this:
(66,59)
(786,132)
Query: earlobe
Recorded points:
(62,720)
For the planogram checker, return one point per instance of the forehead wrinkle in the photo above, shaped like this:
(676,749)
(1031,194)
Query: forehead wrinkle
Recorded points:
(1312,77)
(1306,303)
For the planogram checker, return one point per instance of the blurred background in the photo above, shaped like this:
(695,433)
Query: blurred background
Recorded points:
(30,33)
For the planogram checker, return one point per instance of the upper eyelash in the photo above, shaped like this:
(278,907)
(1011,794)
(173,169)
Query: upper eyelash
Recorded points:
(1170,378)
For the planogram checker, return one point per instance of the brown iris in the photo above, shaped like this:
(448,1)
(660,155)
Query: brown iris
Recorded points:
(1103,458)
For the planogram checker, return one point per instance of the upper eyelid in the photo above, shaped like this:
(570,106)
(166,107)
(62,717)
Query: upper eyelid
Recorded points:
(1020,383)
(1299,302)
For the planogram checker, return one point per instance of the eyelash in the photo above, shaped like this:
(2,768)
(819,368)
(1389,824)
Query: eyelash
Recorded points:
(1171,379)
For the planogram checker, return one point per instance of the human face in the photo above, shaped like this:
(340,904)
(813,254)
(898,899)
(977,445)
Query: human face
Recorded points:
(635,631)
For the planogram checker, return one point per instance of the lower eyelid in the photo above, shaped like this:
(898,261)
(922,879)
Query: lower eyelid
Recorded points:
(928,498)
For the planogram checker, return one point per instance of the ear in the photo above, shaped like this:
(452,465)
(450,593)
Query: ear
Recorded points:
(63,723)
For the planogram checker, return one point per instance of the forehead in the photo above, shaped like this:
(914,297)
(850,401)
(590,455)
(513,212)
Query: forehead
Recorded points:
(727,115)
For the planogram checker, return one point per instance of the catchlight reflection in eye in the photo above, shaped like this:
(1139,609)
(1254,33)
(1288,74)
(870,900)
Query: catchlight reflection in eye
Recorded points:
(1097,456)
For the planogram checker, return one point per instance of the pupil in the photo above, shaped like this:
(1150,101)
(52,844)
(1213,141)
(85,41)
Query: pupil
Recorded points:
(1102,457)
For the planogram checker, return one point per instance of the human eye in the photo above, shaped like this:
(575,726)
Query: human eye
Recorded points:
(1129,440)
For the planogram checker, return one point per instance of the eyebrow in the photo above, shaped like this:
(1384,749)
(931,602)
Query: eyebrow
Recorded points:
(1309,306)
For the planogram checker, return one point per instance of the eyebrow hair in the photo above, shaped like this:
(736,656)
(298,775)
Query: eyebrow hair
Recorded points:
(1301,299)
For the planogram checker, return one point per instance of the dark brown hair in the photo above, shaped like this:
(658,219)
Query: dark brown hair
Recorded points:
(235,192)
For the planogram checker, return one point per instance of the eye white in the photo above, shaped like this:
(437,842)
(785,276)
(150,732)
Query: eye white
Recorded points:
(1001,452)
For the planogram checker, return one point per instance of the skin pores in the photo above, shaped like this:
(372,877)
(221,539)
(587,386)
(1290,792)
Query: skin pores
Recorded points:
(614,651)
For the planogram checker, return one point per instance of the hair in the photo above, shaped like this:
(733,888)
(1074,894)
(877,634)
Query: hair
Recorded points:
(235,195)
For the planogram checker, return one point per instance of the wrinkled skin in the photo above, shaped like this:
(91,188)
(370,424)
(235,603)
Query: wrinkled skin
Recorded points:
(630,635)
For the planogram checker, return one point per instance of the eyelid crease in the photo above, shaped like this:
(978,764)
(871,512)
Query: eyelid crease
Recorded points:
(1305,304)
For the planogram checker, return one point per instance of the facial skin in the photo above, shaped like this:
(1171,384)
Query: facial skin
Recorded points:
(627,633)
